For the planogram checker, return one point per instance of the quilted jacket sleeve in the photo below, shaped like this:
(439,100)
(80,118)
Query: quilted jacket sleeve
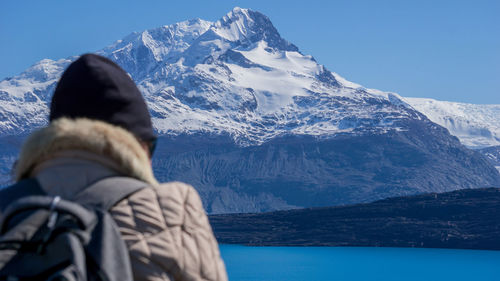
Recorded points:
(168,235)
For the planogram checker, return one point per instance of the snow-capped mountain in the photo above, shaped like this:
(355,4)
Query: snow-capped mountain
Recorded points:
(256,125)
(236,76)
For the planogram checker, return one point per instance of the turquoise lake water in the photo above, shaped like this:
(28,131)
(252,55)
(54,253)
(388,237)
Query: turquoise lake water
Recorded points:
(349,263)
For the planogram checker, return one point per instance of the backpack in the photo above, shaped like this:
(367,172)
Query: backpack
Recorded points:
(44,237)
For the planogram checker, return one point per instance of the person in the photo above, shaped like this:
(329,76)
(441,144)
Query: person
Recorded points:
(100,127)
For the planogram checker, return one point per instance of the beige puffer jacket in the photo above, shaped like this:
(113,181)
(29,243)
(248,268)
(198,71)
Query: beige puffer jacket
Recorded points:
(164,226)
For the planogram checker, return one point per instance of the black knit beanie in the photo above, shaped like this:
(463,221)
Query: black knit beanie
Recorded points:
(94,87)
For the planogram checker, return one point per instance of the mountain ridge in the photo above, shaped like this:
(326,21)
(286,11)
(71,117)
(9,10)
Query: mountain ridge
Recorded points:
(464,219)
(156,54)
(237,108)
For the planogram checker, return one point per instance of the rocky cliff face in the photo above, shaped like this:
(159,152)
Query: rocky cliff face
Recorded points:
(293,172)
(256,125)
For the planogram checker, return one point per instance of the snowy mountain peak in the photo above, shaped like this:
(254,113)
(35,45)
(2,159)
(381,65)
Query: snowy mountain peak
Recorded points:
(236,77)
(247,26)
(235,25)
(239,14)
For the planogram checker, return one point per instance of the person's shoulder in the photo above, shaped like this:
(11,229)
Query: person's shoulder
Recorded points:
(179,191)
(170,195)
(177,185)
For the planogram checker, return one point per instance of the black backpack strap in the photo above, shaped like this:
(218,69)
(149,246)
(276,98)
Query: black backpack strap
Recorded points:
(20,189)
(108,192)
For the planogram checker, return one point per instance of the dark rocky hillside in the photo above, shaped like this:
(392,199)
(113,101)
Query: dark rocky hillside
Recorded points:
(467,219)
(292,172)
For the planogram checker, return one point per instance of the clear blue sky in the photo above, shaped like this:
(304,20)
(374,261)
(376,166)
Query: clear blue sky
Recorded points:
(447,50)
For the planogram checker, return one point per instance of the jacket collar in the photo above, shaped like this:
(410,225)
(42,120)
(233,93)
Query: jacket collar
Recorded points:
(88,140)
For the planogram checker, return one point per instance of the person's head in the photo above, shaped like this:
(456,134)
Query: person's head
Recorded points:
(96,88)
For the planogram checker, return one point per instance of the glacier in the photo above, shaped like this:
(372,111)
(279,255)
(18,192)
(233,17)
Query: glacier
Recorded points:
(477,126)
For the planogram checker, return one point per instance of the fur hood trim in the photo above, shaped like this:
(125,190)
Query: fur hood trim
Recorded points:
(97,137)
